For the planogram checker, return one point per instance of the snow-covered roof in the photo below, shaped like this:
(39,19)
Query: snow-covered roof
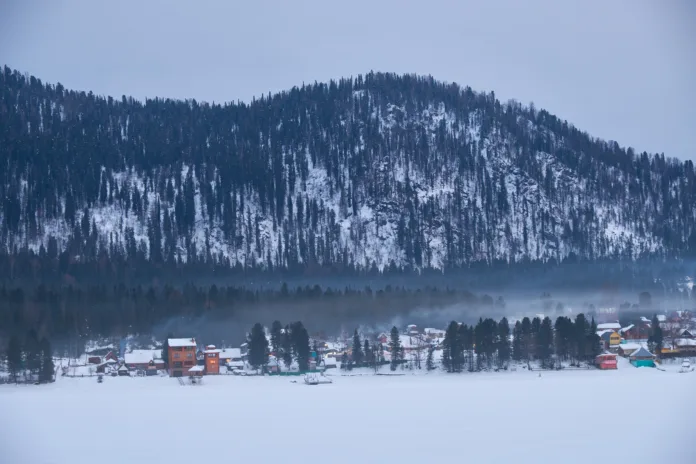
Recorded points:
(123,367)
(609,326)
(329,361)
(230,353)
(641,353)
(141,356)
(214,350)
(601,333)
(685,342)
(627,328)
(661,318)
(197,369)
(630,346)
(182,342)
(431,331)
(644,319)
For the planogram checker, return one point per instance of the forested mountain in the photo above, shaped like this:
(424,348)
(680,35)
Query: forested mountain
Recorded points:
(378,172)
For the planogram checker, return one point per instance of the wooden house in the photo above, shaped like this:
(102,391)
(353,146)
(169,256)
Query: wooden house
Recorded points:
(110,355)
(123,371)
(212,360)
(615,326)
(627,349)
(606,361)
(642,358)
(94,360)
(182,356)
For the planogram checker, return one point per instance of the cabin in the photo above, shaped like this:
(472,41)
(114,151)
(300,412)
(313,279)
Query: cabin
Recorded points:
(626,349)
(686,333)
(412,329)
(110,355)
(606,361)
(141,359)
(182,356)
(212,360)
(106,366)
(642,358)
(123,371)
(685,346)
(232,358)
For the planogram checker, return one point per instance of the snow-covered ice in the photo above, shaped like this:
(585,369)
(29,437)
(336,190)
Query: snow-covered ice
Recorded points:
(628,415)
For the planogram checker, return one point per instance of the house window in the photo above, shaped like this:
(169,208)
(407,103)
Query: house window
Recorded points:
(176,355)
(188,363)
(189,355)
(177,364)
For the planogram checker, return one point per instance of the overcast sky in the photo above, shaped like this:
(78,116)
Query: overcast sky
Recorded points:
(623,70)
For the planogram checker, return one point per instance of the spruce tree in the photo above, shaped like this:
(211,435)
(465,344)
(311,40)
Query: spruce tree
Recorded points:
(164,354)
(395,348)
(503,342)
(368,353)
(286,347)
(429,364)
(258,347)
(33,354)
(46,372)
(517,342)
(545,343)
(357,349)
(656,338)
(300,344)
(14,357)
(276,339)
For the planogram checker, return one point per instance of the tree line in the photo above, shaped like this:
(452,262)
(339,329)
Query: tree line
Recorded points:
(29,359)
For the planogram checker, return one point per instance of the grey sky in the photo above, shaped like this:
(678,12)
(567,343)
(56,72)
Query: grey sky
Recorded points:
(622,70)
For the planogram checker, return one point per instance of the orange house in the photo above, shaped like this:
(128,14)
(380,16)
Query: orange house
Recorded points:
(182,356)
(212,360)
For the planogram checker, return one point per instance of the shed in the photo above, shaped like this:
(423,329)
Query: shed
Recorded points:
(123,370)
(606,361)
(642,358)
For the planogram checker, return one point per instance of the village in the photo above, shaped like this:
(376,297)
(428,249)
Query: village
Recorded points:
(189,358)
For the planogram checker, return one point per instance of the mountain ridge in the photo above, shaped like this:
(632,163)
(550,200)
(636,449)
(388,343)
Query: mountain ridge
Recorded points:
(383,171)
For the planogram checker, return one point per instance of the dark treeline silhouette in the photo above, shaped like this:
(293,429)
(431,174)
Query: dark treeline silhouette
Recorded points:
(66,314)
(382,171)
(532,339)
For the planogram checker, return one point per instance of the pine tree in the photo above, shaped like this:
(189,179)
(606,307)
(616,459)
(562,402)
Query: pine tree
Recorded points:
(452,346)
(276,339)
(368,353)
(545,343)
(164,354)
(286,347)
(503,343)
(46,372)
(300,342)
(429,364)
(14,357)
(656,338)
(517,342)
(357,349)
(258,347)
(33,354)
(395,348)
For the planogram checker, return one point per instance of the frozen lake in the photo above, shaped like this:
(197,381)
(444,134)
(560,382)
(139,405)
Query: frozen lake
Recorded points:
(628,415)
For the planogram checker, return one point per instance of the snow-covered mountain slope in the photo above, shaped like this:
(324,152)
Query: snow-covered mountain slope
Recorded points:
(378,171)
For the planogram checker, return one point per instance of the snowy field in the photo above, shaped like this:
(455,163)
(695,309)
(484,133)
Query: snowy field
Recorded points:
(629,415)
